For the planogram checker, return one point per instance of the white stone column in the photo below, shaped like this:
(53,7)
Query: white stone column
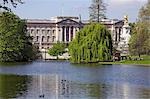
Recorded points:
(78,29)
(57,33)
(74,32)
(60,34)
(40,38)
(65,35)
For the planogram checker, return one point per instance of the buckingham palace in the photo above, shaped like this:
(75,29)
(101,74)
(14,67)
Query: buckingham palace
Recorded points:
(63,29)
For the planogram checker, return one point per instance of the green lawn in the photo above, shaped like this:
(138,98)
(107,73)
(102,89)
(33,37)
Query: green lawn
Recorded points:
(145,60)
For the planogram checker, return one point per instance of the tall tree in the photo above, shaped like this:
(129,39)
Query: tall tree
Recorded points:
(97,10)
(144,13)
(92,44)
(14,44)
(14,3)
(140,39)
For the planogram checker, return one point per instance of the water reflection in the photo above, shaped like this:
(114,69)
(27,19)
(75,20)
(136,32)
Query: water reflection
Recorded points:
(61,87)
(62,80)
(12,86)
(10,64)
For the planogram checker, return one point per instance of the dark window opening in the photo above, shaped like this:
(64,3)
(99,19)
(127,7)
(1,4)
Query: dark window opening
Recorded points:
(63,33)
(67,33)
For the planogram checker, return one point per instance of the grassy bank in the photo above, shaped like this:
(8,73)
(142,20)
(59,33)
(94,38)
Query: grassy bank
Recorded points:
(144,60)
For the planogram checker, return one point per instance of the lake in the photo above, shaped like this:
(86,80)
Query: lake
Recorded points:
(62,80)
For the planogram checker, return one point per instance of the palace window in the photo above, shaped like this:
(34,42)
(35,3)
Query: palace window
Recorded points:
(32,31)
(53,39)
(122,38)
(63,33)
(48,38)
(43,31)
(53,31)
(43,38)
(119,33)
(37,38)
(48,31)
(38,31)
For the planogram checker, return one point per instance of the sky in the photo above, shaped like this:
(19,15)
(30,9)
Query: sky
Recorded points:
(46,9)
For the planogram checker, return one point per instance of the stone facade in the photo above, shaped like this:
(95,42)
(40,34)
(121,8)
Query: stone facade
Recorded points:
(63,29)
(47,32)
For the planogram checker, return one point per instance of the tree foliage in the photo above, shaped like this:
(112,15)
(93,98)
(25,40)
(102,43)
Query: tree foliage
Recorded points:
(144,13)
(92,44)
(14,3)
(97,10)
(57,49)
(140,39)
(14,44)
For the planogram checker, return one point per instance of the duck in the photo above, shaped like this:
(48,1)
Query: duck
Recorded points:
(41,96)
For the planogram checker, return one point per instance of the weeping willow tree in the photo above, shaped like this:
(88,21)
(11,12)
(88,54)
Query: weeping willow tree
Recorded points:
(92,44)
